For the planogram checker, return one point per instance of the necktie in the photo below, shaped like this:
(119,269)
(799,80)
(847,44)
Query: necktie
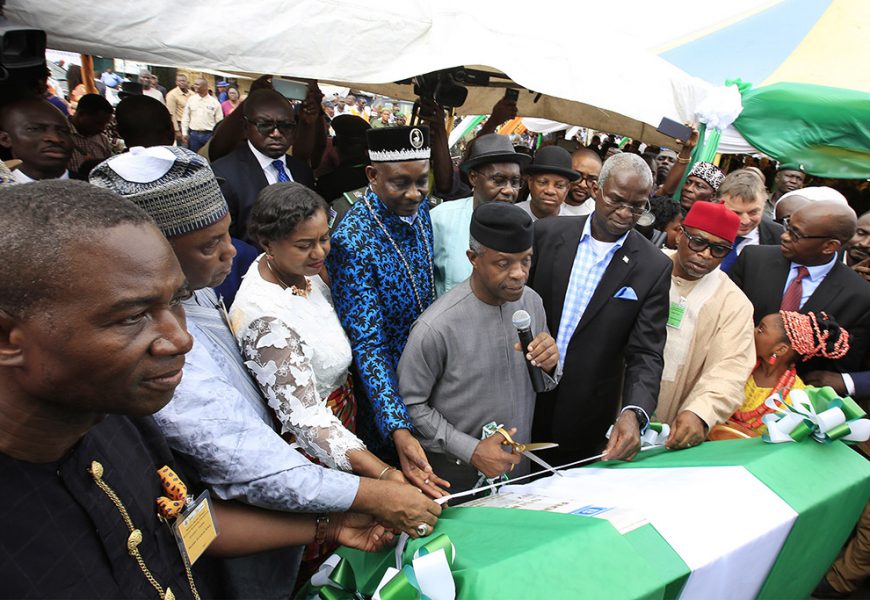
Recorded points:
(729,259)
(279,167)
(791,299)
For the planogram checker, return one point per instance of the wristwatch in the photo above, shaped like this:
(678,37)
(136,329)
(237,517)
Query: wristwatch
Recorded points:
(642,418)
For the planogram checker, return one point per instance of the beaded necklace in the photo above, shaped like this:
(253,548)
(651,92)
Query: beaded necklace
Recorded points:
(135,537)
(752,418)
(401,254)
(293,289)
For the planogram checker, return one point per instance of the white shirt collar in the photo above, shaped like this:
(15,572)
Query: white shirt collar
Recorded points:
(265,161)
(587,232)
(21,177)
(818,272)
(753,236)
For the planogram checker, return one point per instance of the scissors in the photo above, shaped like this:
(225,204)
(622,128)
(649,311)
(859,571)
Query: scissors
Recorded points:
(528,449)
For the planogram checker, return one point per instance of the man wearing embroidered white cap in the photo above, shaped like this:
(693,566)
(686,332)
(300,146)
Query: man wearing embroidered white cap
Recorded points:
(217,418)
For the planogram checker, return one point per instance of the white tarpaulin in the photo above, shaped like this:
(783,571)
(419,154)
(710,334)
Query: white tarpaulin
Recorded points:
(593,64)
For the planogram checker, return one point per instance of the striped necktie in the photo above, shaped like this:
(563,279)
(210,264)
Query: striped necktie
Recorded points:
(791,299)
(279,167)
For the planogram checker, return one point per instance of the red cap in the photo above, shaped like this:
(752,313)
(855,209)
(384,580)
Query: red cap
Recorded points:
(715,219)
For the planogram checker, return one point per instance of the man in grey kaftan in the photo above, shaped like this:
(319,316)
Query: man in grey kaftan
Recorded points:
(460,369)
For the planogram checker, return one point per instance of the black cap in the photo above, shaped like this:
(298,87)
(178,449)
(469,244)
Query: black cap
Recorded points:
(396,144)
(553,159)
(130,88)
(350,126)
(502,227)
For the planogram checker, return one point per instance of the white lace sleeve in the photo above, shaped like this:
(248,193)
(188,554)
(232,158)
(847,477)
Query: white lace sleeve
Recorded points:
(279,360)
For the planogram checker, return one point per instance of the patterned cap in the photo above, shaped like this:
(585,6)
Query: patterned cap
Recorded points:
(173,185)
(396,144)
(708,173)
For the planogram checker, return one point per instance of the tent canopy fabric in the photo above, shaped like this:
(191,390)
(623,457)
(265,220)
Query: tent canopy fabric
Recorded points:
(602,80)
(822,42)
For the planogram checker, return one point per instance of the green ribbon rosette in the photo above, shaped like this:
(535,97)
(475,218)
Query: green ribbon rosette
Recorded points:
(426,577)
(816,412)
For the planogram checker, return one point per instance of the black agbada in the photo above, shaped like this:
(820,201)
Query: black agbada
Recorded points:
(61,536)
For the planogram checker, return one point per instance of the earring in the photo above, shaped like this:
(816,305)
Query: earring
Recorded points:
(772,359)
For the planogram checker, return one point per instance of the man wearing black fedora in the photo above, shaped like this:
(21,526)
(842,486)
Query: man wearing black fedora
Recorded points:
(494,172)
(550,177)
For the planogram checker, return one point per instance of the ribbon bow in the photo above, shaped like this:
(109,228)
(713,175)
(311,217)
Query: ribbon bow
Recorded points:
(816,412)
(174,488)
(427,577)
(655,436)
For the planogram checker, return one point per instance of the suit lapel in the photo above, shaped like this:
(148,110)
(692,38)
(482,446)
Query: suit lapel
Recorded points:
(564,252)
(826,294)
(254,167)
(614,278)
(773,285)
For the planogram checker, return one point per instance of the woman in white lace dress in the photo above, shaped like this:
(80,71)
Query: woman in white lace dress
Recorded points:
(290,335)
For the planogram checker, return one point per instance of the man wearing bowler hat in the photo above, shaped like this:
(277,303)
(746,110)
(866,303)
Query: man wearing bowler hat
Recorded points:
(550,177)
(494,171)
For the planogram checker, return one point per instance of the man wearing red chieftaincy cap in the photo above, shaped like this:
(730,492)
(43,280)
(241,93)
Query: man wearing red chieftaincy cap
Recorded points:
(710,350)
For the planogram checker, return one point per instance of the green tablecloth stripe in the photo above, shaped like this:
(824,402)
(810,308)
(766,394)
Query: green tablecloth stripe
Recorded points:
(650,544)
(829,492)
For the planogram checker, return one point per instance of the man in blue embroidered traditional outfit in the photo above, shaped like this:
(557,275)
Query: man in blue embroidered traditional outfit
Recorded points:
(218,420)
(382,272)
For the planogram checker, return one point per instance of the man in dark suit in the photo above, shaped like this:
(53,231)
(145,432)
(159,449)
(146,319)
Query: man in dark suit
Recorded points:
(269,125)
(605,289)
(856,384)
(805,273)
(743,192)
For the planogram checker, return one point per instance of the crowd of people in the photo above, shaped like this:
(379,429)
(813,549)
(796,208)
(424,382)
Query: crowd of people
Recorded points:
(310,311)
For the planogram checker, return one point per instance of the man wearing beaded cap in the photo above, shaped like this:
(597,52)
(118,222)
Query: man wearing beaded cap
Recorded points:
(383,277)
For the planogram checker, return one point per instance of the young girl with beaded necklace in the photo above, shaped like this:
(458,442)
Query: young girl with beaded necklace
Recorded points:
(780,340)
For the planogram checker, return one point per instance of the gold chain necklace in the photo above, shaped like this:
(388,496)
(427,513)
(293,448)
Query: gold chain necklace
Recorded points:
(401,254)
(135,537)
(293,289)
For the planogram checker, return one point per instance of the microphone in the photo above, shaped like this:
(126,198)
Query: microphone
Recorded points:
(523,322)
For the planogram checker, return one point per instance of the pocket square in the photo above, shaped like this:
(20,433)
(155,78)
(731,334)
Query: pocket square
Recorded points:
(626,293)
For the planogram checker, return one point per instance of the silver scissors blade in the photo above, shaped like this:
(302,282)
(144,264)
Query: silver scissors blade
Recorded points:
(542,463)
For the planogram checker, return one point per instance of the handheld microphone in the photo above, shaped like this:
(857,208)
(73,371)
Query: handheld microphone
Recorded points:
(523,322)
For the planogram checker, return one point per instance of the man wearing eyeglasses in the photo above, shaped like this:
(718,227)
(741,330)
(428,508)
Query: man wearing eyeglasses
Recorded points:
(580,200)
(805,274)
(269,124)
(710,350)
(494,172)
(605,291)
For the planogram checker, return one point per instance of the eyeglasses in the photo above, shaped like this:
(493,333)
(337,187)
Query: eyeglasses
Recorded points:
(267,127)
(501,182)
(635,210)
(796,236)
(589,179)
(699,244)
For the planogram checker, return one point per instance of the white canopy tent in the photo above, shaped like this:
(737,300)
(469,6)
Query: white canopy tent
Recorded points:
(589,64)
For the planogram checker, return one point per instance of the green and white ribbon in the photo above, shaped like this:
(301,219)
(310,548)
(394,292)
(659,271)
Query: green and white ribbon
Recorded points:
(655,435)
(428,577)
(816,412)
(334,580)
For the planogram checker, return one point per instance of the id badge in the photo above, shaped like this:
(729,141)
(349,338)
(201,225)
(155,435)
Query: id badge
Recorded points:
(676,312)
(195,528)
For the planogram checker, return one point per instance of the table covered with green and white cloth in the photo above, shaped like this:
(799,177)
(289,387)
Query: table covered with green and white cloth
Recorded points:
(736,519)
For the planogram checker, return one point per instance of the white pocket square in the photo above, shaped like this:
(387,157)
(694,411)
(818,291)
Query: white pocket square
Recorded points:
(626,293)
